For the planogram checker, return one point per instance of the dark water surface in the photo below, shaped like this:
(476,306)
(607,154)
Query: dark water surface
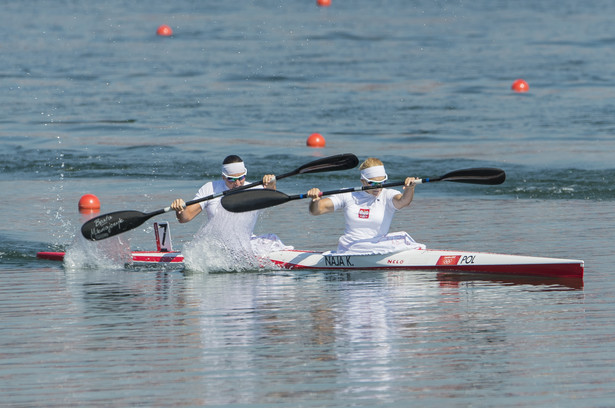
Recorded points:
(94,102)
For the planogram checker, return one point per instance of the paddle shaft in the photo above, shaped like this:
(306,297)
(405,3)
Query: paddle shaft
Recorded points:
(147,216)
(263,198)
(490,176)
(481,175)
(355,189)
(346,161)
(212,196)
(243,201)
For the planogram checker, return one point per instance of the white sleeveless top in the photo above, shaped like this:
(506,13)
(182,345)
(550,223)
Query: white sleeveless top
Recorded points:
(368,220)
(236,226)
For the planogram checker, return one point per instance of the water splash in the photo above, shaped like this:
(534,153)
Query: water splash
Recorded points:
(110,253)
(222,244)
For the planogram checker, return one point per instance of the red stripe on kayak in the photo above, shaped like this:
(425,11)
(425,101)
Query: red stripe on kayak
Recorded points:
(157,257)
(52,256)
(138,256)
(572,270)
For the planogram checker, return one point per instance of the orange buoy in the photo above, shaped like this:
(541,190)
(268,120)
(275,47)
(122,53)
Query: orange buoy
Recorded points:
(323,3)
(164,30)
(316,140)
(89,203)
(520,86)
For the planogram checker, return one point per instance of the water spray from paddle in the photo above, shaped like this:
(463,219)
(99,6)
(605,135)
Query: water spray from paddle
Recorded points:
(222,244)
(110,254)
(113,253)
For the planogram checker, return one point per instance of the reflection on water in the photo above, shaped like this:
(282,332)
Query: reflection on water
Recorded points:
(282,336)
(539,283)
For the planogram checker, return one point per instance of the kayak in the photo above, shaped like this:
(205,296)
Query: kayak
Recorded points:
(433,259)
(408,260)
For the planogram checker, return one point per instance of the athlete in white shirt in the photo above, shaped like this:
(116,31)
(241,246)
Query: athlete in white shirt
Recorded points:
(369,213)
(233,176)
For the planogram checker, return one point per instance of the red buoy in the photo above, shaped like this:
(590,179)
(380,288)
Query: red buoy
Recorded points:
(164,30)
(316,140)
(89,203)
(323,3)
(520,86)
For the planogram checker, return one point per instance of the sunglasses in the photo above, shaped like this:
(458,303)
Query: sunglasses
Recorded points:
(234,179)
(374,183)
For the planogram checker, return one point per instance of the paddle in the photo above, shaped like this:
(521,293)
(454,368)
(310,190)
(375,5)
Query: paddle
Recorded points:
(242,201)
(108,225)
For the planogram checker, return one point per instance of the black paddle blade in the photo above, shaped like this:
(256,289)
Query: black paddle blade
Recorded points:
(250,200)
(344,161)
(108,225)
(479,175)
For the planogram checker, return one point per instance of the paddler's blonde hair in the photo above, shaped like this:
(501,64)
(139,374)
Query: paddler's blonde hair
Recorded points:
(370,162)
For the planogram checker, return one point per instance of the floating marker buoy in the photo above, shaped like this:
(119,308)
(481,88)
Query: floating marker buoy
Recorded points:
(164,30)
(89,203)
(316,140)
(323,3)
(520,86)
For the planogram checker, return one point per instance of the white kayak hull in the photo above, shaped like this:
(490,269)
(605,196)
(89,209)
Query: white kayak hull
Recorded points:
(440,260)
(416,259)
